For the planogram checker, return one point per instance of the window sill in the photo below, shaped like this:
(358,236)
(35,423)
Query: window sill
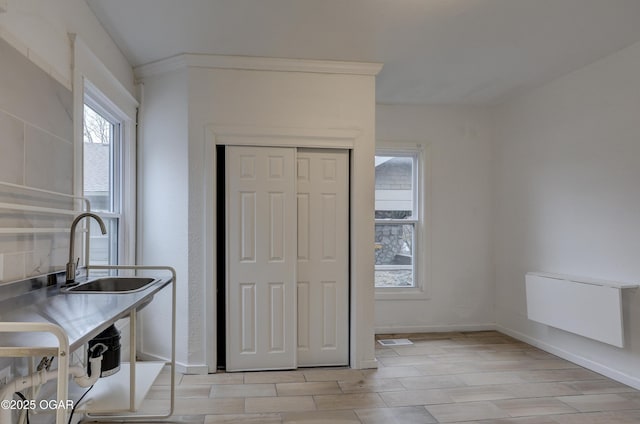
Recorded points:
(401,294)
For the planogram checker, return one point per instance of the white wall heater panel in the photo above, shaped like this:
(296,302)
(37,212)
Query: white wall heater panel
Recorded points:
(587,307)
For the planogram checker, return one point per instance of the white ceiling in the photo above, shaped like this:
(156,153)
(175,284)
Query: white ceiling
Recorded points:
(434,51)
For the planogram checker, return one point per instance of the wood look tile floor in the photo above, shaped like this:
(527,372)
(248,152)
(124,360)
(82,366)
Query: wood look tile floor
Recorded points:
(478,378)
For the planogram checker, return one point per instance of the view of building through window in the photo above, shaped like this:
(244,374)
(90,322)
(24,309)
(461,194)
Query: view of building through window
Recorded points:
(396,220)
(100,183)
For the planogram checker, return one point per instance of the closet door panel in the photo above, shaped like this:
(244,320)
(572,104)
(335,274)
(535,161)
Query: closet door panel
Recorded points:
(261,258)
(323,257)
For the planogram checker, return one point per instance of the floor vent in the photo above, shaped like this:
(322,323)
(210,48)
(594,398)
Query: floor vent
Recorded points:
(395,342)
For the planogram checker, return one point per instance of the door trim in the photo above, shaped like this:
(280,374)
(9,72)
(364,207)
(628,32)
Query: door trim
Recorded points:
(362,295)
(285,137)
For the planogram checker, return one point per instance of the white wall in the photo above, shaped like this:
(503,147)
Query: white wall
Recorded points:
(567,180)
(40,28)
(459,283)
(308,101)
(163,189)
(268,99)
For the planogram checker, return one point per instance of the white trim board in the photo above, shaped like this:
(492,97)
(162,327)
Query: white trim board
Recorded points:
(182,368)
(326,138)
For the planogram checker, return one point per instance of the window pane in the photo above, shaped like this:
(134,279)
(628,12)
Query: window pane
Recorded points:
(99,184)
(394,187)
(103,249)
(98,160)
(394,255)
(394,278)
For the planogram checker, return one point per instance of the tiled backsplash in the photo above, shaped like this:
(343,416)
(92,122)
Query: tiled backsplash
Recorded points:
(36,140)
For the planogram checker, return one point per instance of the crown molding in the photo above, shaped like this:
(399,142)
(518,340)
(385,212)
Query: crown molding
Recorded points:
(180,61)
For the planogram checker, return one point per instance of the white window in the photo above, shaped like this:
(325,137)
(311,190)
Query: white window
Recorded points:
(399,229)
(102,181)
(105,113)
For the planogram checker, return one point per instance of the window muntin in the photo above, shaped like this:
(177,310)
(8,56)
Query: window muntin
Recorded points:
(102,180)
(396,218)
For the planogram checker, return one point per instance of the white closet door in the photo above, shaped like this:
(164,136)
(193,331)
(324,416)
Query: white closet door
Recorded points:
(323,257)
(261,255)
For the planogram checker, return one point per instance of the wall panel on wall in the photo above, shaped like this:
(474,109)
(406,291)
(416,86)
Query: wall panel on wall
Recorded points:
(36,150)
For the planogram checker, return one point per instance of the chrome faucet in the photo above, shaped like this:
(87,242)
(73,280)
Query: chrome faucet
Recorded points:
(71,265)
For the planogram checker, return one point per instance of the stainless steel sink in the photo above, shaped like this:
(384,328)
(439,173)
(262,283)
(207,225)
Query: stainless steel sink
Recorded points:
(113,285)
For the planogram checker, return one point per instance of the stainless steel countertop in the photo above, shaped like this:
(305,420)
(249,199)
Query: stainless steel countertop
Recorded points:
(81,315)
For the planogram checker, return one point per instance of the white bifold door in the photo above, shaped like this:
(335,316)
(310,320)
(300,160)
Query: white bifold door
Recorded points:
(287,258)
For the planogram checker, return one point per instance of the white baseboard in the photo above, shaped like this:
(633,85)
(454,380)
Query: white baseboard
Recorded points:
(181,367)
(572,357)
(368,364)
(200,369)
(433,328)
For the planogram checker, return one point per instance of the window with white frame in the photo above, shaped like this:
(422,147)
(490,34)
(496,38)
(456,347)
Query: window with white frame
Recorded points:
(397,219)
(102,179)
